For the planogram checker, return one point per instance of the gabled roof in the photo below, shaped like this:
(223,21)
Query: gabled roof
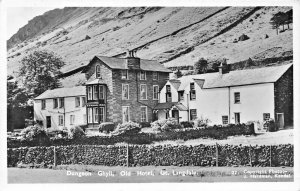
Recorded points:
(120,63)
(169,105)
(268,74)
(63,92)
(175,83)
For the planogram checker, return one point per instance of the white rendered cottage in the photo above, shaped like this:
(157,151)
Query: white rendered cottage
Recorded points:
(234,97)
(61,108)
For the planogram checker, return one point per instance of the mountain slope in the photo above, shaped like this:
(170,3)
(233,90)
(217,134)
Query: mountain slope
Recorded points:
(175,36)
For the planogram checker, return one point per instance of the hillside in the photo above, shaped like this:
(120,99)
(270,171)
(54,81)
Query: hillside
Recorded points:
(175,36)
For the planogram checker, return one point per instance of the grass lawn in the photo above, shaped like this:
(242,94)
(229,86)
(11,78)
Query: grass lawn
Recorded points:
(148,174)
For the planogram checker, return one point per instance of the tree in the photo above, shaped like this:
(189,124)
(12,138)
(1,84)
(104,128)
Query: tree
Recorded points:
(200,66)
(18,108)
(40,71)
(289,20)
(178,73)
(278,19)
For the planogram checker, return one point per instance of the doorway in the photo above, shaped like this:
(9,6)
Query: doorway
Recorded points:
(280,120)
(48,121)
(237,118)
(175,114)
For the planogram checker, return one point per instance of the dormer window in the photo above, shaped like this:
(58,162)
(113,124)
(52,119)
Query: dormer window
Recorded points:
(98,75)
(155,75)
(142,75)
(192,91)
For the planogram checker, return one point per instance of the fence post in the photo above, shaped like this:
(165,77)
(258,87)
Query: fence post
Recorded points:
(54,150)
(127,155)
(270,155)
(250,155)
(217,155)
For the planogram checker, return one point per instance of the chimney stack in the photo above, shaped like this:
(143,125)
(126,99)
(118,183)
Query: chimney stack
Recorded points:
(132,62)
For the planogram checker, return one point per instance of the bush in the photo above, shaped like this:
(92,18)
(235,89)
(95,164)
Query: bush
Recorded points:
(128,128)
(187,124)
(165,124)
(35,134)
(107,127)
(201,122)
(76,132)
(271,125)
(145,124)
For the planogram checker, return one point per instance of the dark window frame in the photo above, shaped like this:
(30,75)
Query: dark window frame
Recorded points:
(237,97)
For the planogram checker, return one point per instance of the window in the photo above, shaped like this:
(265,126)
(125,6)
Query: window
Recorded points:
(155,92)
(266,116)
(124,75)
(60,120)
(72,119)
(98,74)
(142,75)
(43,104)
(237,98)
(77,101)
(168,93)
(90,93)
(101,115)
(155,75)
(61,103)
(144,116)
(90,115)
(83,101)
(55,103)
(95,115)
(225,119)
(125,114)
(143,92)
(192,91)
(96,93)
(125,91)
(167,114)
(101,92)
(180,96)
(193,114)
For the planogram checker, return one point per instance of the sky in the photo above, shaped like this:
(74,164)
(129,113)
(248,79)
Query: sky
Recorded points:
(17,17)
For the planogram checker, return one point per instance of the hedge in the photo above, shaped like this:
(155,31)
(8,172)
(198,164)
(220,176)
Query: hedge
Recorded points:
(215,132)
(145,155)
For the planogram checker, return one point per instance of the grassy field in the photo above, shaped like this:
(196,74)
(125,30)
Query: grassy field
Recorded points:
(149,174)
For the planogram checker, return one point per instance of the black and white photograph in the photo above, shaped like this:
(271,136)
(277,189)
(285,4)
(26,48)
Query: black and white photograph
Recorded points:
(158,93)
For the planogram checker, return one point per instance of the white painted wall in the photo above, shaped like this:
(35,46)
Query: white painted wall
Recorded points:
(67,111)
(255,100)
(162,94)
(213,103)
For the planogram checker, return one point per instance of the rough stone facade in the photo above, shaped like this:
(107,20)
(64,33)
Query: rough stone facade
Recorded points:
(283,92)
(113,80)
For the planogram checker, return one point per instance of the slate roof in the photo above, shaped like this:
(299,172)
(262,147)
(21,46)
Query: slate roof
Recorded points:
(268,74)
(63,92)
(120,63)
(175,83)
(168,105)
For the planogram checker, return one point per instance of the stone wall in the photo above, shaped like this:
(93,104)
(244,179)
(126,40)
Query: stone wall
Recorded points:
(283,91)
(145,155)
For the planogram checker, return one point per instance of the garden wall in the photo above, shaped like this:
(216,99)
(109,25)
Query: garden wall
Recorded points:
(144,155)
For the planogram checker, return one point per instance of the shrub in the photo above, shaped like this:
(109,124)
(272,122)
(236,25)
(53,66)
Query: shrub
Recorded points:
(76,132)
(36,134)
(107,127)
(165,124)
(145,124)
(187,124)
(201,122)
(128,128)
(271,125)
